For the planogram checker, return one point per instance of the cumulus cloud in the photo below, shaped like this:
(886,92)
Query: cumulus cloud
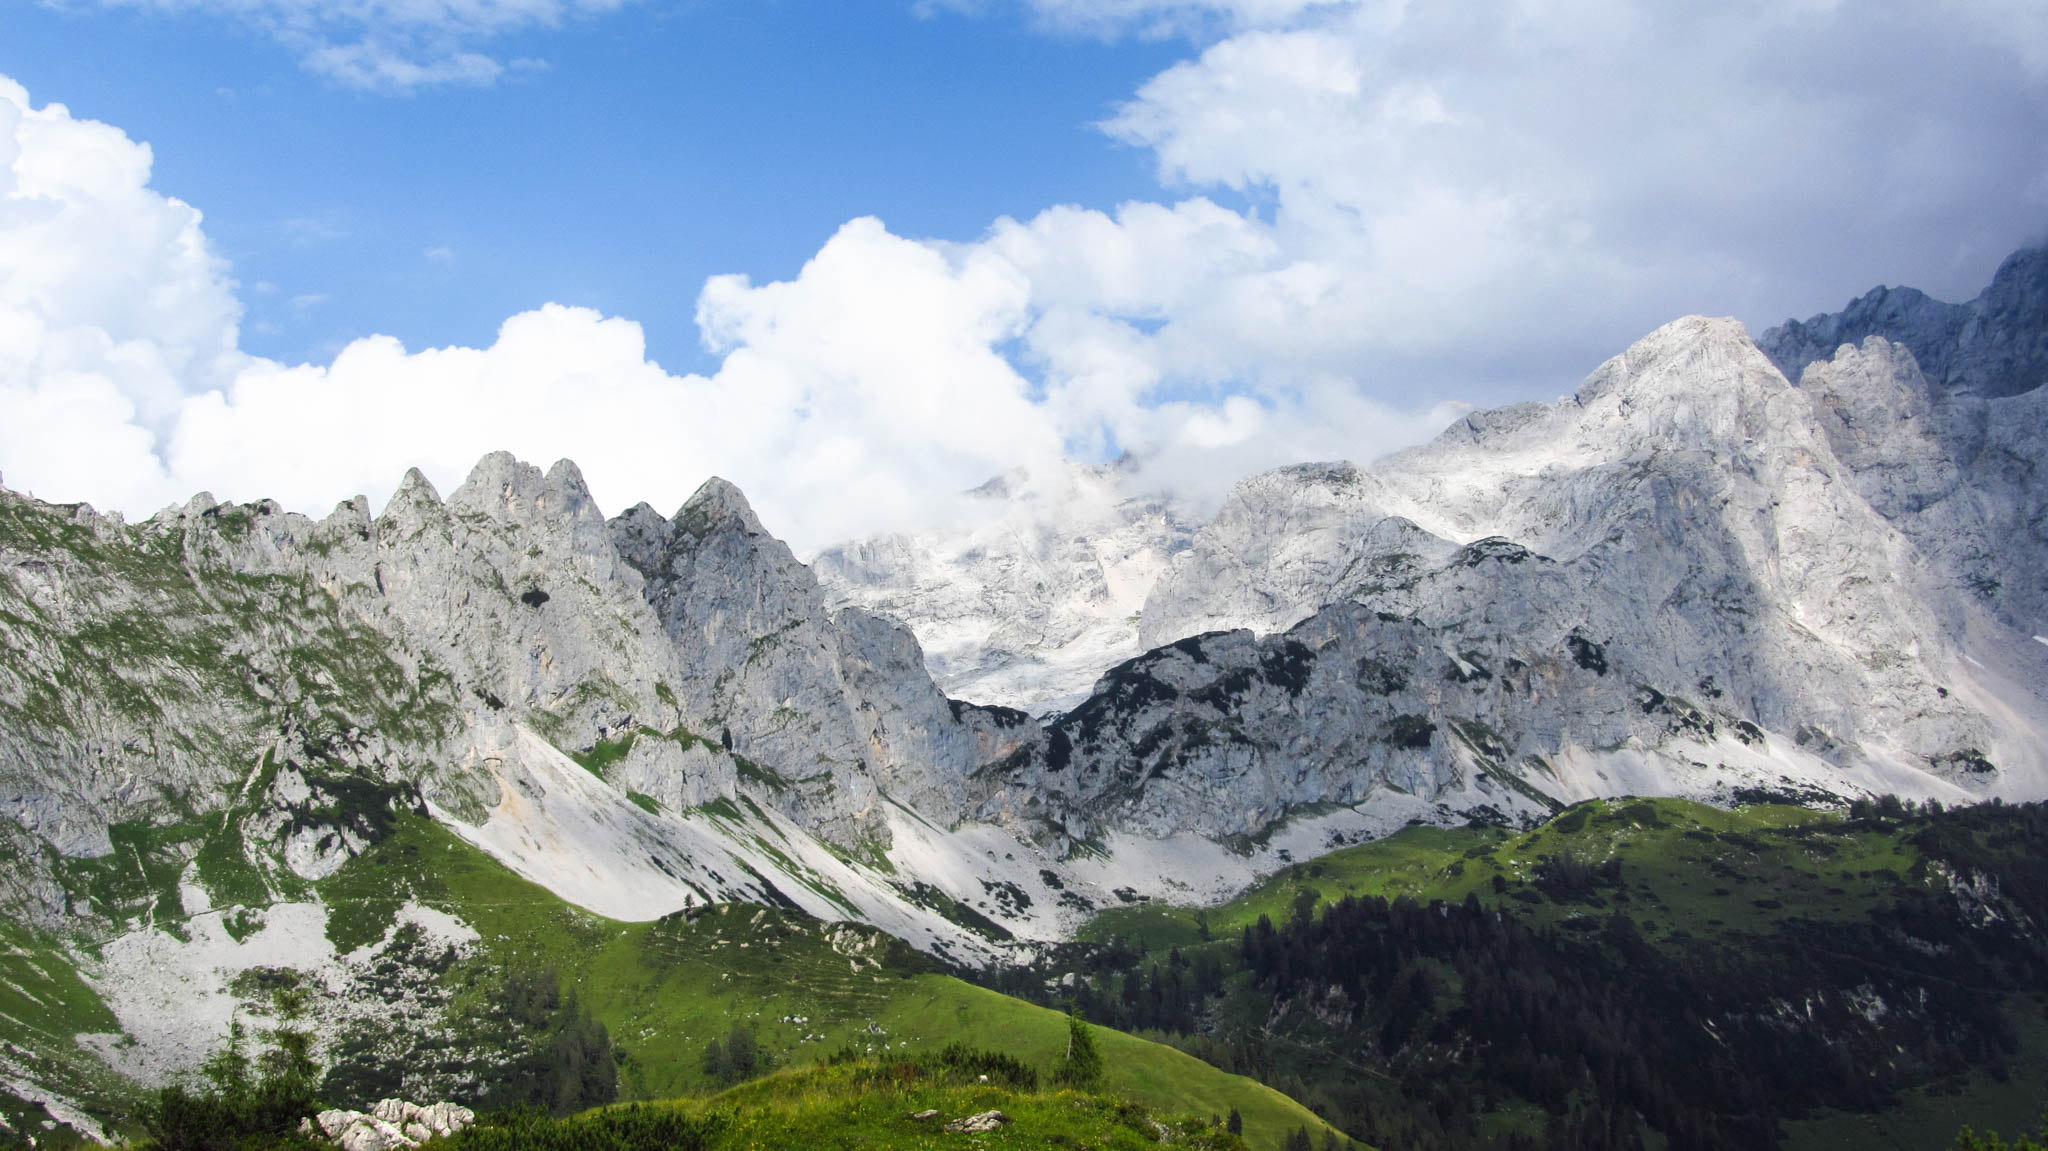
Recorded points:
(853,397)
(1489,197)
(393,45)
(112,307)
(847,398)
(864,394)
(1382,208)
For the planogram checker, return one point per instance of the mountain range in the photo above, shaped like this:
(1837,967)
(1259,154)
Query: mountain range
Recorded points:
(1807,567)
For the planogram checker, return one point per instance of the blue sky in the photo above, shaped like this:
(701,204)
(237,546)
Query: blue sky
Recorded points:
(859,257)
(661,145)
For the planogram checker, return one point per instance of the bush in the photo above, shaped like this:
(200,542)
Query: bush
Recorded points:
(1968,1140)
(956,1064)
(738,1059)
(633,1127)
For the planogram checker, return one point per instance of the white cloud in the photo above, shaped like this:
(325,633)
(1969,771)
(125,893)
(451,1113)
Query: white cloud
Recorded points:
(1461,198)
(112,306)
(863,394)
(1440,201)
(853,396)
(393,45)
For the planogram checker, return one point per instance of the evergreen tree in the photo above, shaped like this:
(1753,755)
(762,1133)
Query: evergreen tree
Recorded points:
(251,1102)
(742,1053)
(1081,1067)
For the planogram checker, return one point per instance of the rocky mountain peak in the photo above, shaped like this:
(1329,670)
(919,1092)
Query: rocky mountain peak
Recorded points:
(191,509)
(504,487)
(718,505)
(2003,349)
(1993,346)
(352,513)
(563,487)
(640,533)
(1031,594)
(1683,371)
(415,501)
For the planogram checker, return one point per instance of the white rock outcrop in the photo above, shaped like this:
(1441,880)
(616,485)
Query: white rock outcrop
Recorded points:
(392,1123)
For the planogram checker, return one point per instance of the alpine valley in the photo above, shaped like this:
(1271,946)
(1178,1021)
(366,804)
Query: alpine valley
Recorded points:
(1656,767)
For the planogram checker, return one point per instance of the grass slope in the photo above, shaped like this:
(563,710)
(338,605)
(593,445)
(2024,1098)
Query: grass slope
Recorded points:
(667,988)
(873,1104)
(43,1006)
(1692,870)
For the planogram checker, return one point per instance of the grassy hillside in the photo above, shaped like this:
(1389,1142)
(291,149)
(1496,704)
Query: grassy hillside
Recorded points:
(1633,973)
(668,988)
(468,1020)
(1693,872)
(43,1005)
(869,1103)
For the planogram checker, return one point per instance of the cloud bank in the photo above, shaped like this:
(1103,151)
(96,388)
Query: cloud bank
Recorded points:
(861,395)
(1382,208)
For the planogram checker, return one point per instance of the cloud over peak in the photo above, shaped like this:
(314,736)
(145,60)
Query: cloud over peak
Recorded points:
(1375,210)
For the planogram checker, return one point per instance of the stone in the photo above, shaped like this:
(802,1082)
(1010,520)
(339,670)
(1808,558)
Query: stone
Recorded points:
(977,1123)
(391,1124)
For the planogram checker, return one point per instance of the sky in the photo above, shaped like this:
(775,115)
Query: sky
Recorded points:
(860,257)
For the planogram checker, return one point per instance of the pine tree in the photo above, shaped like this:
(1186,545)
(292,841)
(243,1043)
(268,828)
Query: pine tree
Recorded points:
(242,1108)
(1081,1067)
(742,1053)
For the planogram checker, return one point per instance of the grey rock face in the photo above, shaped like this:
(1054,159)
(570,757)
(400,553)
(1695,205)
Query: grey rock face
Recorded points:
(837,704)
(1683,528)
(756,654)
(1995,345)
(1960,475)
(1285,543)
(241,659)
